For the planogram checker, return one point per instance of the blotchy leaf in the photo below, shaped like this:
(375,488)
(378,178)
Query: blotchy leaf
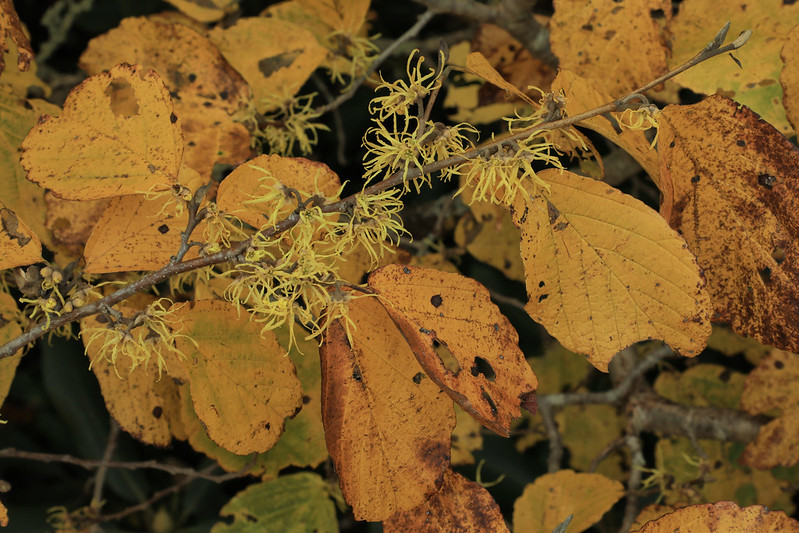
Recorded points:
(730,185)
(387,425)
(722,517)
(553,497)
(772,385)
(619,44)
(756,83)
(293,503)
(71,221)
(242,386)
(459,505)
(477,64)
(19,246)
(605,271)
(583,95)
(236,193)
(488,375)
(11,29)
(205,89)
(116,136)
(789,77)
(274,56)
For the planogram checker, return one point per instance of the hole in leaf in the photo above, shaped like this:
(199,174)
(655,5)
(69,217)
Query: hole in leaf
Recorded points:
(481,366)
(765,274)
(543,297)
(436,300)
(490,401)
(766,180)
(122,98)
(778,255)
(157,411)
(447,359)
(163,228)
(418,378)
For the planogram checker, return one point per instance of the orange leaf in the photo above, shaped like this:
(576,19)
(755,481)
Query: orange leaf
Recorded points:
(582,95)
(387,426)
(246,182)
(722,517)
(489,378)
(274,56)
(19,246)
(476,63)
(206,90)
(772,385)
(116,136)
(605,271)
(617,44)
(242,386)
(134,234)
(11,29)
(729,184)
(553,497)
(459,505)
(9,329)
(72,221)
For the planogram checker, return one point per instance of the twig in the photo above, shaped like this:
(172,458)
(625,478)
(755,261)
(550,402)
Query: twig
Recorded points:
(102,470)
(555,444)
(414,30)
(90,464)
(633,442)
(607,450)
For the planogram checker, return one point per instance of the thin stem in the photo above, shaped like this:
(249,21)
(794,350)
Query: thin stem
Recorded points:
(102,470)
(412,32)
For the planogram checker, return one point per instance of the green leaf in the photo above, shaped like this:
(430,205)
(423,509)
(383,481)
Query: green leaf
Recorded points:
(290,504)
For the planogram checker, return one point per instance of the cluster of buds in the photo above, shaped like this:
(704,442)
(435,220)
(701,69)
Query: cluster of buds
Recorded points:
(51,291)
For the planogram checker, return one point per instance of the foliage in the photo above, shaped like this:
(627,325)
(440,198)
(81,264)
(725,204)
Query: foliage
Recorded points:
(346,348)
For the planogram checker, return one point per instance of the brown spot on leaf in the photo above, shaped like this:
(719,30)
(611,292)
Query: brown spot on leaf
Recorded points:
(270,65)
(11,226)
(436,300)
(157,411)
(163,229)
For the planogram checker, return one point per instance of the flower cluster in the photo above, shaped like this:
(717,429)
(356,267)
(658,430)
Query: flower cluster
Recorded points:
(641,119)
(349,56)
(148,333)
(291,122)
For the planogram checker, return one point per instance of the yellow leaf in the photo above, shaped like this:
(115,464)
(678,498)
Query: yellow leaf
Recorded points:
(450,319)
(17,117)
(618,44)
(489,235)
(9,329)
(19,82)
(242,386)
(770,386)
(605,271)
(387,426)
(756,83)
(207,92)
(246,183)
(274,56)
(789,77)
(19,246)
(553,497)
(722,517)
(459,505)
(729,187)
(135,233)
(586,430)
(205,10)
(583,95)
(3,515)
(71,222)
(117,135)
(466,438)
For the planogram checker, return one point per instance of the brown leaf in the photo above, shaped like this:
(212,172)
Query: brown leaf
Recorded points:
(116,136)
(605,271)
(205,10)
(11,29)
(459,505)
(387,425)
(730,185)
(461,340)
(722,517)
